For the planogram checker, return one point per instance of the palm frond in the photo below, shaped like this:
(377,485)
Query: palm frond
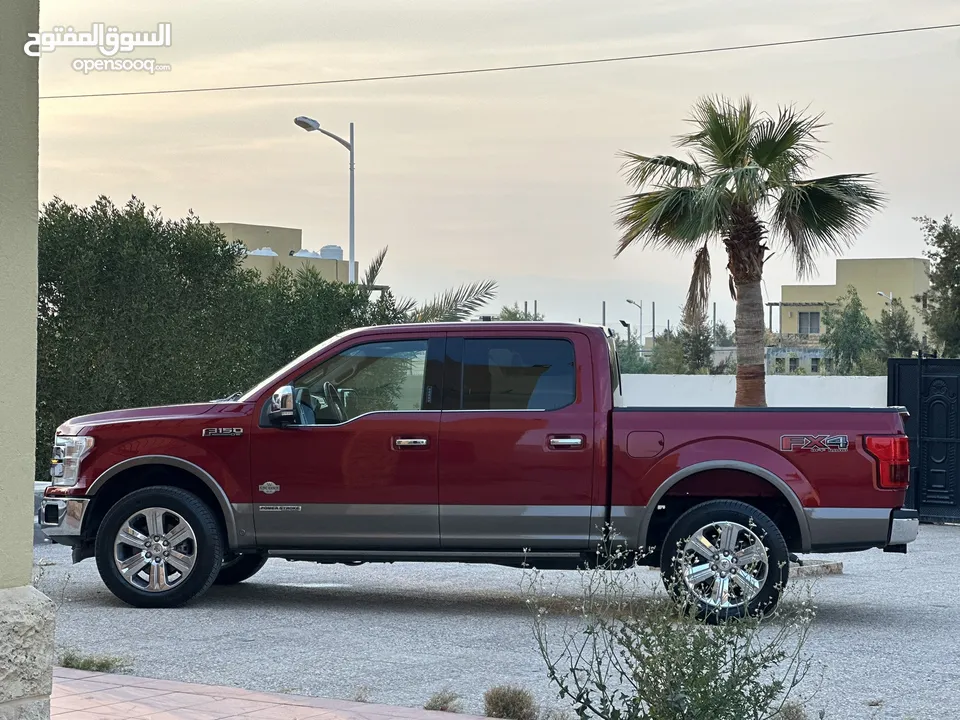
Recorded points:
(824,214)
(674,218)
(373,269)
(698,293)
(723,130)
(660,170)
(456,305)
(789,141)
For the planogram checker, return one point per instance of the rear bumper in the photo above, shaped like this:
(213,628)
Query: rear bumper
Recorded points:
(855,529)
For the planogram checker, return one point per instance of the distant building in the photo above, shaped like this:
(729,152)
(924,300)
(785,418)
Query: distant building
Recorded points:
(269,246)
(795,346)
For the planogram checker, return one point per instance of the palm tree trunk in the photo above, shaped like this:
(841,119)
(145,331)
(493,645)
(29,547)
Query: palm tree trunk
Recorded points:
(745,253)
(751,378)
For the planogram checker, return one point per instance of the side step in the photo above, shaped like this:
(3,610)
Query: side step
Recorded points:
(542,560)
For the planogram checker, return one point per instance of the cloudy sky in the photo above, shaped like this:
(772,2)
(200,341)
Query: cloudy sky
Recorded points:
(511,176)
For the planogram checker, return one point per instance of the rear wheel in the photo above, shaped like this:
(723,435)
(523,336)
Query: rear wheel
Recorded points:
(725,559)
(237,568)
(159,547)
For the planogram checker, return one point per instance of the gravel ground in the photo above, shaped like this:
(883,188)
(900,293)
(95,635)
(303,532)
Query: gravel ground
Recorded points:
(887,631)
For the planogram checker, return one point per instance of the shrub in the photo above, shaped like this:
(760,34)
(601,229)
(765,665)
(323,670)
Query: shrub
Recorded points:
(93,663)
(444,701)
(624,654)
(510,702)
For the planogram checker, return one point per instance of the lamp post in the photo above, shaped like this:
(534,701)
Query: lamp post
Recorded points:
(885,296)
(310,125)
(639,306)
(627,326)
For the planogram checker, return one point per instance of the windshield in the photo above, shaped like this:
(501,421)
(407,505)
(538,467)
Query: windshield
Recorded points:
(253,392)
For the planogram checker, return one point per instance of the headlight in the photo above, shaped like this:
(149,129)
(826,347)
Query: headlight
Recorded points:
(68,452)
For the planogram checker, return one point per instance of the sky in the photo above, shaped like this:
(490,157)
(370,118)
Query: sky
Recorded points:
(509,176)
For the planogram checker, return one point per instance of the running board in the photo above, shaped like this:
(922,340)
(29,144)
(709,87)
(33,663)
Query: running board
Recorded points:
(536,559)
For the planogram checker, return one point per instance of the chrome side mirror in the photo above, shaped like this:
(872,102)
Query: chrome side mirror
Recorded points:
(282,411)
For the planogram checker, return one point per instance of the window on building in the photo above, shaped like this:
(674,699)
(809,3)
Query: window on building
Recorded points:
(815,365)
(518,374)
(779,366)
(794,364)
(809,323)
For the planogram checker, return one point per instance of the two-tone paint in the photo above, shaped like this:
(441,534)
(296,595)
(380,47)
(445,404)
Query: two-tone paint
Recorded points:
(445,483)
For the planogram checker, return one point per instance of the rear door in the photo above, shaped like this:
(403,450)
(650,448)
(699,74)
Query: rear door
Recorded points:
(369,482)
(517,442)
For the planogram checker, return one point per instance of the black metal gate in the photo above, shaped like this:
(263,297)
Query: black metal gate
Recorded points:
(930,389)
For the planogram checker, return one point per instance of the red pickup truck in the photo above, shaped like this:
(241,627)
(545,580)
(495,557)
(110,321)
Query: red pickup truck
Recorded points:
(505,443)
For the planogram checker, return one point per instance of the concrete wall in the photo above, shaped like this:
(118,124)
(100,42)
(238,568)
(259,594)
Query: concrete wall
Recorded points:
(19,146)
(904,277)
(782,391)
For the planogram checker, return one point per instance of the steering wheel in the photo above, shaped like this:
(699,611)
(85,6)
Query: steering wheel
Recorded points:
(332,396)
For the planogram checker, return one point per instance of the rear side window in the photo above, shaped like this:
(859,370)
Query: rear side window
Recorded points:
(518,374)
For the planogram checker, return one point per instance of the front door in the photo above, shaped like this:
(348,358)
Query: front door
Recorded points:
(517,443)
(359,468)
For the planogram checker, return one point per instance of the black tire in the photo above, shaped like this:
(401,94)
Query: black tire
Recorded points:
(206,545)
(750,525)
(237,568)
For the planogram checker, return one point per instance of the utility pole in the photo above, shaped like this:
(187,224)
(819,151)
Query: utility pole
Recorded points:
(714,324)
(526,315)
(535,310)
(603,320)
(653,306)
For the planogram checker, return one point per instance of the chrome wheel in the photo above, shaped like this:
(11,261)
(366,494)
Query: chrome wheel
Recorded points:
(155,549)
(724,565)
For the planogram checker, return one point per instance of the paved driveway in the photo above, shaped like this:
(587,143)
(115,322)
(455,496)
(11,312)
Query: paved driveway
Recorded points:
(888,630)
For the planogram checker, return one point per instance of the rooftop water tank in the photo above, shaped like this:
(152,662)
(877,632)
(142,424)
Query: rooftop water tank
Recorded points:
(331,252)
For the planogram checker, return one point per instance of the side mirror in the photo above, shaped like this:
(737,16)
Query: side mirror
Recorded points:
(282,411)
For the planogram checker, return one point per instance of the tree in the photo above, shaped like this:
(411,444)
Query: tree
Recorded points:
(723,337)
(667,355)
(746,178)
(942,312)
(632,361)
(850,335)
(517,313)
(895,334)
(696,341)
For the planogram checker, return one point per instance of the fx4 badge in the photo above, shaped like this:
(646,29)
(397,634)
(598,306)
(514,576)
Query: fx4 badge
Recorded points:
(269,488)
(222,432)
(814,443)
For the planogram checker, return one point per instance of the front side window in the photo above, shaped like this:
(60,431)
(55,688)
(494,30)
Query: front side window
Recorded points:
(374,377)
(518,374)
(809,323)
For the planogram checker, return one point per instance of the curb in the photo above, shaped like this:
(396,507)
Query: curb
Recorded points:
(816,568)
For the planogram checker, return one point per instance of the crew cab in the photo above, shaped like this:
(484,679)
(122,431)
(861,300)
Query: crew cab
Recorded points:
(479,442)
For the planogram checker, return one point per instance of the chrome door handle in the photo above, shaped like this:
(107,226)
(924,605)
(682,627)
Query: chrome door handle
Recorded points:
(566,442)
(410,442)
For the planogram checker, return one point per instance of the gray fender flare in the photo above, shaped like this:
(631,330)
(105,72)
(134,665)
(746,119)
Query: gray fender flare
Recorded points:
(226,508)
(788,494)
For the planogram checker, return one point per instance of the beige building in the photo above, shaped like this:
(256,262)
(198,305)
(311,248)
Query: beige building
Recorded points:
(26,616)
(268,247)
(801,306)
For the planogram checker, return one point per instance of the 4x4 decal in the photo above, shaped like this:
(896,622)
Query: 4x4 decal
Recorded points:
(814,443)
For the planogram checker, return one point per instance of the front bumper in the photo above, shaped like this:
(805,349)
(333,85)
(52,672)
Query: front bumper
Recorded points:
(62,517)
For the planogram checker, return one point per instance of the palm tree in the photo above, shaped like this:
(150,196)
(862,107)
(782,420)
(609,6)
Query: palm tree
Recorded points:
(745,177)
(450,306)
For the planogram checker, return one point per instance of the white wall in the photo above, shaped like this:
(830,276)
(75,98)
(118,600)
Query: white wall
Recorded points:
(782,391)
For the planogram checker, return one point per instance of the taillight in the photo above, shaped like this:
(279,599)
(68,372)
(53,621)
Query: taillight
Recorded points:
(893,460)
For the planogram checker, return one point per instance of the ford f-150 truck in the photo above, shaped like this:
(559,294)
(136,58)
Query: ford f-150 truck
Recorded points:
(505,443)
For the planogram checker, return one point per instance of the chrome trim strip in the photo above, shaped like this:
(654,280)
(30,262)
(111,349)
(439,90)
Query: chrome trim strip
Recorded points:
(791,497)
(70,512)
(198,472)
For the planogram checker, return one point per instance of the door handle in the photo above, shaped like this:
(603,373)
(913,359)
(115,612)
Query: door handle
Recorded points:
(566,442)
(410,442)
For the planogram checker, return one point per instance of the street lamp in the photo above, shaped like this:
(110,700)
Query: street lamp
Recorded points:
(310,125)
(627,326)
(885,296)
(639,306)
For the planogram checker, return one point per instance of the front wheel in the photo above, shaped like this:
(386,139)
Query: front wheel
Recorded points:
(159,547)
(725,559)
(237,568)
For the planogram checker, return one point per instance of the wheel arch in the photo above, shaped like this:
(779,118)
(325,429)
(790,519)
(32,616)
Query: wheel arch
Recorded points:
(782,489)
(114,474)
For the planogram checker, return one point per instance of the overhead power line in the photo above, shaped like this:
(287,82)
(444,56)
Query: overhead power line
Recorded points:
(511,68)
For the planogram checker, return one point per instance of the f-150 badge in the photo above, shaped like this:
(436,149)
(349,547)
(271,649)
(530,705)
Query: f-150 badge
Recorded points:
(814,443)
(222,432)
